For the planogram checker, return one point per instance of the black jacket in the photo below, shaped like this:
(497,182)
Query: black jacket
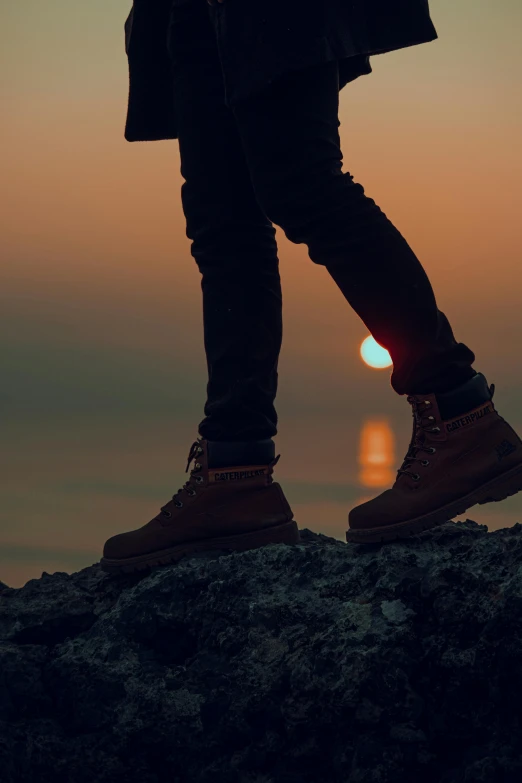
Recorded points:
(259,40)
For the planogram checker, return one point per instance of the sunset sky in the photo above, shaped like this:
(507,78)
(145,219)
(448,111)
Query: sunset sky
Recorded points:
(101,333)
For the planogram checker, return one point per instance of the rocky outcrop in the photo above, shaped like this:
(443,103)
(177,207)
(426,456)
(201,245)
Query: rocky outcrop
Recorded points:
(319,663)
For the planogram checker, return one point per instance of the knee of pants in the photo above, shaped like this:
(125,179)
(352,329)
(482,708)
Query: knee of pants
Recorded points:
(307,202)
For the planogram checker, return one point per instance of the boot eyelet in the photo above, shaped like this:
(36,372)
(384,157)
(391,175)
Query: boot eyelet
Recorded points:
(197,466)
(431,418)
(425,462)
(166,513)
(427,402)
(178,504)
(200,450)
(191,491)
(199,479)
(432,449)
(435,429)
(416,477)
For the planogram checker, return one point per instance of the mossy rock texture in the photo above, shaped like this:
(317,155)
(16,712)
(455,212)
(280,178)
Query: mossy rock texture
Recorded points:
(322,662)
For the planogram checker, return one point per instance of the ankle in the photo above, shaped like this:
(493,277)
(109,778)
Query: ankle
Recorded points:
(251,452)
(466,396)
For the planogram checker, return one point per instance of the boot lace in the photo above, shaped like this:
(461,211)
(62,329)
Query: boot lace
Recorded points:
(417,443)
(187,487)
(420,430)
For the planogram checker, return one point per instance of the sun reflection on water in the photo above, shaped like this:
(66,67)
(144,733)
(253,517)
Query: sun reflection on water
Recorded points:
(376,458)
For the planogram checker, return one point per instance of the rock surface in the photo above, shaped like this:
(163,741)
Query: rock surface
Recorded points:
(319,663)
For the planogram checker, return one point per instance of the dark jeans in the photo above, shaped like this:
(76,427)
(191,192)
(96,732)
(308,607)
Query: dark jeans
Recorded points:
(275,158)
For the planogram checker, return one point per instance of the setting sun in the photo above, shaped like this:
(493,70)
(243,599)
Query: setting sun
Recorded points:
(374,355)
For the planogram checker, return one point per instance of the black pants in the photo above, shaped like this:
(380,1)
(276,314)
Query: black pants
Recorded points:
(275,158)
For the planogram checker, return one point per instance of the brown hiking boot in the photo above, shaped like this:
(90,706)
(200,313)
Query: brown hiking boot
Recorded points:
(465,453)
(226,508)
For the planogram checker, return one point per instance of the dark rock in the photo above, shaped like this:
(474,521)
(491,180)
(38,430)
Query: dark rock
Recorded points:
(319,663)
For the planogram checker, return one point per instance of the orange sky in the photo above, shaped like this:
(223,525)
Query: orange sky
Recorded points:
(101,326)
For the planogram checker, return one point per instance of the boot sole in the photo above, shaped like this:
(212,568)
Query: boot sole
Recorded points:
(287,533)
(497,489)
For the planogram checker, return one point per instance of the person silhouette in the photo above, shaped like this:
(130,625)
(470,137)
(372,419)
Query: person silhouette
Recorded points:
(251,92)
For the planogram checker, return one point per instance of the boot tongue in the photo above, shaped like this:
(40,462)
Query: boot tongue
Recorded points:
(418,438)
(194,451)
(419,434)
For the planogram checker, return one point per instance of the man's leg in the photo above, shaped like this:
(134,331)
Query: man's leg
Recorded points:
(230,501)
(233,242)
(461,451)
(291,141)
